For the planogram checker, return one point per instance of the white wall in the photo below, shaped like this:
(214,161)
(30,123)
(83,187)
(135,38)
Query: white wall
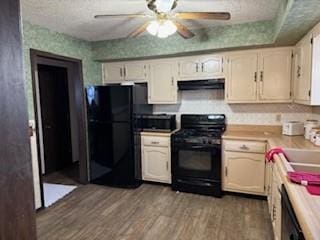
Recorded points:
(212,101)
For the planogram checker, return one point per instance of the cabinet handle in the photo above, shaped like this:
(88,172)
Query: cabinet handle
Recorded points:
(255,76)
(154,142)
(197,67)
(120,72)
(202,67)
(226,171)
(299,72)
(167,163)
(244,147)
(261,76)
(125,72)
(172,81)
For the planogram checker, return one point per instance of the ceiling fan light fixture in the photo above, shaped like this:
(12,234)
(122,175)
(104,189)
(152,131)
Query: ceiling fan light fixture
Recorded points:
(162,29)
(153,27)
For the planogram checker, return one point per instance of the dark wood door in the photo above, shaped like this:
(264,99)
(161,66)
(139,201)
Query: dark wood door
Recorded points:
(17,214)
(55,114)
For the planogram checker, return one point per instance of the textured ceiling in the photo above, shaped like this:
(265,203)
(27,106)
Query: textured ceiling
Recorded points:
(75,17)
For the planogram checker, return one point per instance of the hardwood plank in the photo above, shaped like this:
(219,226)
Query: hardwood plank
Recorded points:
(152,212)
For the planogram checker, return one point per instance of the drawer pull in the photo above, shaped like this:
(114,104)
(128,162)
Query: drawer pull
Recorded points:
(154,142)
(244,147)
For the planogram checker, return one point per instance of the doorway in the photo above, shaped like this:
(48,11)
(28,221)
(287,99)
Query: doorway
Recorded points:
(60,123)
(55,115)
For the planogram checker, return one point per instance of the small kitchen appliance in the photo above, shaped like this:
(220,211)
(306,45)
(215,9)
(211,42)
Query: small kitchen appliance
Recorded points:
(158,122)
(293,128)
(308,126)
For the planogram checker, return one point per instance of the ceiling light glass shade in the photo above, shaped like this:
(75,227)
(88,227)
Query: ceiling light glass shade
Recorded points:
(168,27)
(153,28)
(162,29)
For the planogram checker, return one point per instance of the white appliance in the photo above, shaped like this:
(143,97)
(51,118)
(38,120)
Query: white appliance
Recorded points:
(308,126)
(293,128)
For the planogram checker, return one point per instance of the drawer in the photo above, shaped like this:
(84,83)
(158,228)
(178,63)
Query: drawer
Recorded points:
(156,141)
(245,146)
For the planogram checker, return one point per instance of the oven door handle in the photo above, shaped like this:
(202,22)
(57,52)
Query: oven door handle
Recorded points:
(197,147)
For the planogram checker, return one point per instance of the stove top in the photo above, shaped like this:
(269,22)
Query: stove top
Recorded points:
(201,129)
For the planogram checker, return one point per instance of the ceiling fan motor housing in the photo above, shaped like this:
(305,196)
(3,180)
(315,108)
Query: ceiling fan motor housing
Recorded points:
(153,7)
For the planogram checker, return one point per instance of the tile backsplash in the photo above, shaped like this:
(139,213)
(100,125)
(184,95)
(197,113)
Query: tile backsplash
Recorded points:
(212,101)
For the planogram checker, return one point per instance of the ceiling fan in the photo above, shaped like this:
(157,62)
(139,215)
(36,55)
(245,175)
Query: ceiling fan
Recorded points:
(164,22)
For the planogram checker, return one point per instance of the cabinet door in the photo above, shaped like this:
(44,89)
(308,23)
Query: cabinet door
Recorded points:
(244,172)
(211,67)
(156,164)
(275,75)
(189,69)
(304,81)
(135,71)
(162,86)
(113,73)
(242,78)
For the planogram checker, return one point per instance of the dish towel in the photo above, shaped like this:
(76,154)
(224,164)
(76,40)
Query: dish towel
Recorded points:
(310,180)
(273,151)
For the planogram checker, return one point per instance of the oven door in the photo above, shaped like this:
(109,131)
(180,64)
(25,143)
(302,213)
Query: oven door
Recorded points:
(197,161)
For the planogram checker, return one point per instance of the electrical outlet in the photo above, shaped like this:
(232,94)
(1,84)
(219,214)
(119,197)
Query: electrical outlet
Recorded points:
(278,117)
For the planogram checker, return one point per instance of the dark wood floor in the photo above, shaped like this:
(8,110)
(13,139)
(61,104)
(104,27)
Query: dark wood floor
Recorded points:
(68,176)
(152,212)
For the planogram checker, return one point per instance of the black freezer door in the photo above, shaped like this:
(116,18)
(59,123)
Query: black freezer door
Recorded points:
(109,103)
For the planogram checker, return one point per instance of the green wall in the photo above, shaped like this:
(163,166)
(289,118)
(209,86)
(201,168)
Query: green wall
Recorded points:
(294,19)
(241,35)
(45,40)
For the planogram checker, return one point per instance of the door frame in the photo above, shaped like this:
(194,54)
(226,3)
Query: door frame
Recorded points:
(78,118)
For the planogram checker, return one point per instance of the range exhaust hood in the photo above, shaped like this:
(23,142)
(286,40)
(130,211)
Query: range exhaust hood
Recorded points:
(201,84)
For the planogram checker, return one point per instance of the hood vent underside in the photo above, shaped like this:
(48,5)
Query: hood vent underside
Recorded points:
(201,84)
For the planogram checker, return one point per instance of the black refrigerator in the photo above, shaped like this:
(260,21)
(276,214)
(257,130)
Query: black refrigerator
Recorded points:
(114,127)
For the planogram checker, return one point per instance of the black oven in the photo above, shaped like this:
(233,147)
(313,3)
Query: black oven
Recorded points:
(290,228)
(197,161)
(197,168)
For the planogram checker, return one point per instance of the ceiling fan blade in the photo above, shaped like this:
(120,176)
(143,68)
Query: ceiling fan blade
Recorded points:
(139,30)
(183,30)
(203,15)
(123,15)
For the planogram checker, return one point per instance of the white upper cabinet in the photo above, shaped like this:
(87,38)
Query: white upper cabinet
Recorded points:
(303,54)
(241,81)
(112,73)
(188,68)
(259,76)
(212,66)
(306,69)
(162,85)
(200,67)
(135,71)
(275,75)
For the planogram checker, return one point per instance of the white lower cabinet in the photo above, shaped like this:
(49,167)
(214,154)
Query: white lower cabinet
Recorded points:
(275,204)
(156,159)
(244,168)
